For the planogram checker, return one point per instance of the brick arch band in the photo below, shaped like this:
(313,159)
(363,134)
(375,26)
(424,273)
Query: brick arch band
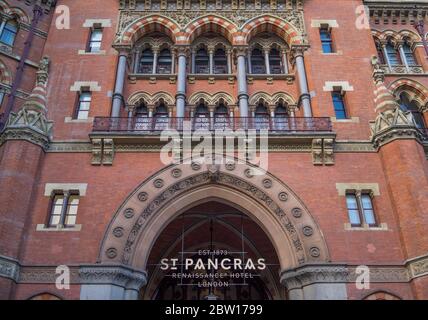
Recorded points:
(185,35)
(139,221)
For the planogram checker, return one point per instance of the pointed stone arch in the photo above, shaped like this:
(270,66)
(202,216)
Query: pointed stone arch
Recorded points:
(162,197)
(211,99)
(210,23)
(270,23)
(414,90)
(146,25)
(150,99)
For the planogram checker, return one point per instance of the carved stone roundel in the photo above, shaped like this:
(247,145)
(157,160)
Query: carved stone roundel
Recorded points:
(196,166)
(307,231)
(118,232)
(283,196)
(248,173)
(176,173)
(111,253)
(158,183)
(143,196)
(230,166)
(129,213)
(315,252)
(297,212)
(267,183)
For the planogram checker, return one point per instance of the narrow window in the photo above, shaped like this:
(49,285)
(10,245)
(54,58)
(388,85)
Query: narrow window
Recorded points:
(202,61)
(326,40)
(9,32)
(220,61)
(56,210)
(83,105)
(408,53)
(275,61)
(339,105)
(71,213)
(95,40)
(353,210)
(258,64)
(380,53)
(164,62)
(146,62)
(393,56)
(367,208)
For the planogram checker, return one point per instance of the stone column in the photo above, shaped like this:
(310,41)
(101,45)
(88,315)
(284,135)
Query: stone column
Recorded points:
(284,61)
(181,81)
(250,67)
(267,62)
(242,82)
(193,61)
(403,56)
(229,61)
(136,60)
(155,60)
(120,81)
(211,62)
(303,82)
(173,57)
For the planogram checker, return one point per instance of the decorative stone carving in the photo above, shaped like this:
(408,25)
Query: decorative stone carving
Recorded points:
(129,213)
(196,166)
(143,196)
(267,183)
(158,183)
(118,232)
(283,196)
(97,147)
(111,253)
(230,166)
(117,275)
(308,231)
(9,268)
(315,252)
(297,212)
(176,173)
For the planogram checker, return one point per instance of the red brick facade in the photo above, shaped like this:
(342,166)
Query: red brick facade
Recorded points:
(379,149)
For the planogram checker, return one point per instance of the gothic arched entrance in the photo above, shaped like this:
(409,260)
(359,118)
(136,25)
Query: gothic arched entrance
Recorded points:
(163,198)
(216,233)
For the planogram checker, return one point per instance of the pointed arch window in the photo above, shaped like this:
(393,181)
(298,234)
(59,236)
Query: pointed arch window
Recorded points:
(142,120)
(221,116)
(161,117)
(275,61)
(164,62)
(8,32)
(146,61)
(408,54)
(202,61)
(261,116)
(281,116)
(411,106)
(220,61)
(258,65)
(393,55)
(202,117)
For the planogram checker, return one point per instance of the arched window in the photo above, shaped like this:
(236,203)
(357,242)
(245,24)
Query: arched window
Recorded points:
(221,116)
(142,120)
(380,52)
(202,61)
(281,116)
(393,55)
(220,61)
(261,116)
(164,62)
(9,32)
(275,61)
(161,116)
(202,116)
(408,53)
(258,65)
(411,106)
(146,61)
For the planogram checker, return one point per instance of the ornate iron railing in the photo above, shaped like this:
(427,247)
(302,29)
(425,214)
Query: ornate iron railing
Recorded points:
(150,125)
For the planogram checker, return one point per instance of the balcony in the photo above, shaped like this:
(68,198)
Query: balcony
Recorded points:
(155,125)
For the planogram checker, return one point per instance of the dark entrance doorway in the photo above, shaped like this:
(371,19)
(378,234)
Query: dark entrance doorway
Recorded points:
(208,241)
